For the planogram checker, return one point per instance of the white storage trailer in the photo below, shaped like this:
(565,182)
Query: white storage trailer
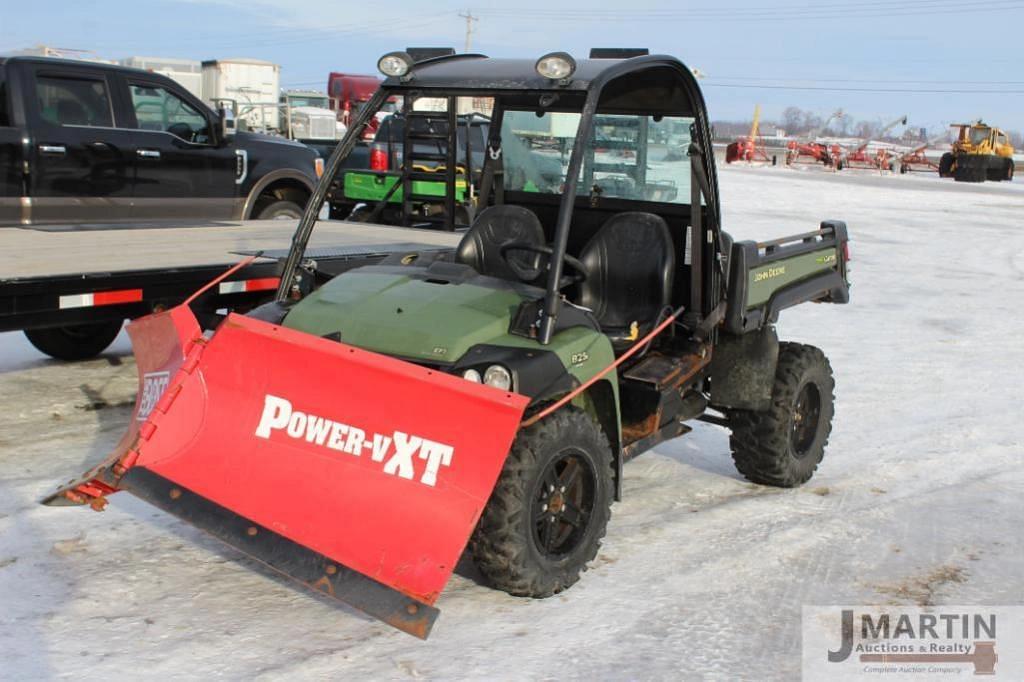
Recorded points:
(187,72)
(245,82)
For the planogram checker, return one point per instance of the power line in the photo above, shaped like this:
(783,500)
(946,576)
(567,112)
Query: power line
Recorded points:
(884,81)
(761,15)
(877,90)
(282,36)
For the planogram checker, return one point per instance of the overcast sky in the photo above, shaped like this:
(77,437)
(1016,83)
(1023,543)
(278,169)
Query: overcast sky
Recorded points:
(935,60)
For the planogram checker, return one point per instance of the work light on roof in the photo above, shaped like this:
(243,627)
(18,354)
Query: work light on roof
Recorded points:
(556,66)
(395,64)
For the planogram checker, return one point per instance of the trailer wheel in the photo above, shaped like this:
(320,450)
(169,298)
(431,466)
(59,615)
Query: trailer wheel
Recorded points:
(946,165)
(550,507)
(783,445)
(280,210)
(74,342)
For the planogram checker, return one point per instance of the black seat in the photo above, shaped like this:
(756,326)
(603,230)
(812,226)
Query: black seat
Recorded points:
(630,265)
(496,226)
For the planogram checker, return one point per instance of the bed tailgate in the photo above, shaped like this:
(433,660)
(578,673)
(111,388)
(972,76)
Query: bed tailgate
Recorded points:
(766,277)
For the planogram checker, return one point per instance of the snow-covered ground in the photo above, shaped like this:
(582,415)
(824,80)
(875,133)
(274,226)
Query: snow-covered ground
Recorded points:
(920,497)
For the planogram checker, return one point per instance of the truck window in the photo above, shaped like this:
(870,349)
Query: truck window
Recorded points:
(70,101)
(158,109)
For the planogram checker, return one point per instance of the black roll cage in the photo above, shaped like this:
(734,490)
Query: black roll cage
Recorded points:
(704,181)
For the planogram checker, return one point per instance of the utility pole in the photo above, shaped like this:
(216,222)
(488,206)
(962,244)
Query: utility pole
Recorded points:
(468,16)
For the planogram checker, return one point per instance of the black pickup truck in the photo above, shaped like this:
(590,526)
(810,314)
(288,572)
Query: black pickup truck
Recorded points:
(82,142)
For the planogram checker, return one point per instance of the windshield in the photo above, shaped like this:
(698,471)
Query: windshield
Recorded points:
(627,156)
(309,101)
(979,135)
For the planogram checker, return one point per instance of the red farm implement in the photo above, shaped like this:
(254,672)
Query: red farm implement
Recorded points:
(751,148)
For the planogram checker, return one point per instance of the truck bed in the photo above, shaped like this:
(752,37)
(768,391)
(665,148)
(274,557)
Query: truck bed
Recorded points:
(40,251)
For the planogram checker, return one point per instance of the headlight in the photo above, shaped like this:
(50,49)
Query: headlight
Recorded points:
(556,66)
(498,377)
(472,375)
(318,164)
(395,64)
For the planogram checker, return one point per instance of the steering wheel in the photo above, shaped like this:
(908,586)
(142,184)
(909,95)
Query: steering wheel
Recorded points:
(531,273)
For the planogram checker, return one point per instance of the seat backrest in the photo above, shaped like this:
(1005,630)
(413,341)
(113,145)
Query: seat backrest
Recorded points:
(630,265)
(480,248)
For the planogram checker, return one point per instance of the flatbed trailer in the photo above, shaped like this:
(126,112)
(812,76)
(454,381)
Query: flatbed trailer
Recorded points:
(83,282)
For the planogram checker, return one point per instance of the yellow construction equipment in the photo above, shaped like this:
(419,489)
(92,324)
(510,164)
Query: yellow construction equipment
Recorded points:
(980,152)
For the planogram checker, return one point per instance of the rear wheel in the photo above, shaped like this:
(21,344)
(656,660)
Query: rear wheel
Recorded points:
(783,445)
(74,342)
(550,508)
(279,210)
(946,165)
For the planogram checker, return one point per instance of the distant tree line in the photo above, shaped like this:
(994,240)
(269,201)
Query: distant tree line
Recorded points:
(798,122)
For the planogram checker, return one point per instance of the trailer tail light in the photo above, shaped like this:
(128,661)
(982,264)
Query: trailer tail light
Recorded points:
(247,285)
(378,157)
(99,298)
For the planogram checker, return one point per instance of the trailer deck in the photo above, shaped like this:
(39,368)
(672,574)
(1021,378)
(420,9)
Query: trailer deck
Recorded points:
(55,277)
(41,252)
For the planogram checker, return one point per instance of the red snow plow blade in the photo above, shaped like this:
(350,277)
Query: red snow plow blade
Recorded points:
(360,475)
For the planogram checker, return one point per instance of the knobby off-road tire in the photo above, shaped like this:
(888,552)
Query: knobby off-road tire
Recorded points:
(783,445)
(946,165)
(74,342)
(516,545)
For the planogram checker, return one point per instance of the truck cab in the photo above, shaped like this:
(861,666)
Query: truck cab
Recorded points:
(82,142)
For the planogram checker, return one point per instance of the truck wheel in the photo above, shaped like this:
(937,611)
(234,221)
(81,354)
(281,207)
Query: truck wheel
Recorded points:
(280,210)
(549,509)
(74,342)
(974,172)
(946,165)
(1009,170)
(783,445)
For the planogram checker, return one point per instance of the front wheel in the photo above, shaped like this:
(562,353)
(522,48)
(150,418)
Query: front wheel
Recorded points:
(74,342)
(783,445)
(946,165)
(550,507)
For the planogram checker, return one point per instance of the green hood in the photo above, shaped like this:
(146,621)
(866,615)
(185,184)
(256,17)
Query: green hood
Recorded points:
(395,314)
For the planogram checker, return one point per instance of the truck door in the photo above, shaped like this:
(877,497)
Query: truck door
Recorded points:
(180,169)
(81,160)
(11,167)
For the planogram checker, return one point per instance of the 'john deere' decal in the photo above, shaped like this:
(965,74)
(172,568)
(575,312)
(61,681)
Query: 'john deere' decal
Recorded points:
(397,451)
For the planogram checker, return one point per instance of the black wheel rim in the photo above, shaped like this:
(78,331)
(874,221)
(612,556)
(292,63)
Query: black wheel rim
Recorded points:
(563,504)
(806,415)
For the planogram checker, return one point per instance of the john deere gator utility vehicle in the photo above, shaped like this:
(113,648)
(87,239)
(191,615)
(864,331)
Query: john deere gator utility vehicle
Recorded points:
(980,152)
(363,430)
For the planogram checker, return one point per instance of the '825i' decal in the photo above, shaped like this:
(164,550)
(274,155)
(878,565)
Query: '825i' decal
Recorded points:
(153,386)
